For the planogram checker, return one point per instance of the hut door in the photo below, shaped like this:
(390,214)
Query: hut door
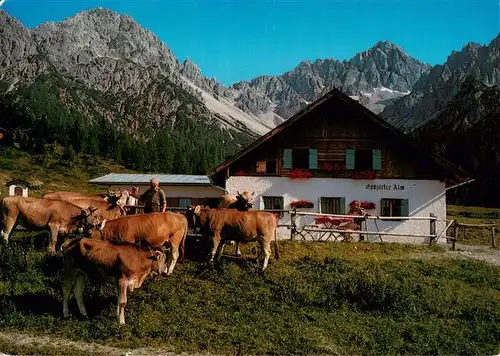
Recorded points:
(18,191)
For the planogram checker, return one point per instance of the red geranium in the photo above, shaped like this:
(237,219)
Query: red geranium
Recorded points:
(301,204)
(299,174)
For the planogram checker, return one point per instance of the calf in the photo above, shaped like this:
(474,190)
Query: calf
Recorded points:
(126,264)
(153,229)
(241,226)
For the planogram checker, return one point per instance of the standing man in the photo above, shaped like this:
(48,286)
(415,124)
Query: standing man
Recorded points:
(154,198)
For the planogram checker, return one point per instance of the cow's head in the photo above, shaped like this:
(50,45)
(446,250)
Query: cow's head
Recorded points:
(88,217)
(118,198)
(158,256)
(245,195)
(191,218)
(112,196)
(244,201)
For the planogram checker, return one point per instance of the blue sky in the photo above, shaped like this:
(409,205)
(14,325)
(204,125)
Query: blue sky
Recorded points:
(239,40)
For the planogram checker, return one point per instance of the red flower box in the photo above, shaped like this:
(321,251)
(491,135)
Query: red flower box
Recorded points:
(302,204)
(368,205)
(299,174)
(363,175)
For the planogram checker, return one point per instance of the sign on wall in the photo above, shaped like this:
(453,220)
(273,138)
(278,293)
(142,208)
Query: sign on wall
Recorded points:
(385,187)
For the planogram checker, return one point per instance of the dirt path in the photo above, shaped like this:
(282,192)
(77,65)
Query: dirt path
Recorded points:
(482,253)
(25,343)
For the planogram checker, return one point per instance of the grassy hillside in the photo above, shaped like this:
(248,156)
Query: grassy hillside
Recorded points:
(53,170)
(316,299)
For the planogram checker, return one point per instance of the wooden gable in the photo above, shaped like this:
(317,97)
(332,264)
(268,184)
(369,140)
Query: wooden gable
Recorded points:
(334,138)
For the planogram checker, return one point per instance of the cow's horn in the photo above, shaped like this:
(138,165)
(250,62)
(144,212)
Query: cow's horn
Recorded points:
(103,223)
(238,192)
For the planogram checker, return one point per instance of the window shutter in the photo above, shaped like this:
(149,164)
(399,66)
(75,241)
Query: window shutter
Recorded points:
(342,206)
(281,203)
(405,208)
(287,158)
(384,204)
(320,203)
(313,158)
(349,158)
(377,160)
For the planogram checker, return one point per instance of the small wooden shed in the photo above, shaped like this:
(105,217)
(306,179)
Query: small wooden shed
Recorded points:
(18,187)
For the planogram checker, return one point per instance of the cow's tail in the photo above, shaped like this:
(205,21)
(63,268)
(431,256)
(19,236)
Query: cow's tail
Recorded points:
(276,247)
(69,242)
(183,242)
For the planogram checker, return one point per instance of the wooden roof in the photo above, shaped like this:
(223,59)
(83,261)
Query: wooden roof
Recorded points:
(338,96)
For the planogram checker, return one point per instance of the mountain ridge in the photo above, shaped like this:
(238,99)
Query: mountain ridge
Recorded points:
(431,93)
(122,49)
(111,52)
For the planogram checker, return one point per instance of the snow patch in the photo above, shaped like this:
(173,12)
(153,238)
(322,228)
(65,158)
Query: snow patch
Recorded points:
(230,113)
(392,91)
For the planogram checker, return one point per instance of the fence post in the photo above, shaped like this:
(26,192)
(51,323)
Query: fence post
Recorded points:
(432,229)
(293,229)
(455,239)
(493,237)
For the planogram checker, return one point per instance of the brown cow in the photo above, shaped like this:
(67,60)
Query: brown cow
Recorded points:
(126,264)
(241,226)
(240,201)
(60,217)
(153,229)
(109,209)
(71,195)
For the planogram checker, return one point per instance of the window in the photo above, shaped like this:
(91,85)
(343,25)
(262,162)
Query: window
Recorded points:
(261,167)
(363,160)
(213,202)
(359,159)
(172,202)
(273,203)
(300,158)
(266,167)
(332,205)
(184,202)
(394,207)
(271,166)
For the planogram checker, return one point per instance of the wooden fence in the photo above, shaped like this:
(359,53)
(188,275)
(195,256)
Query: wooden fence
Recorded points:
(329,233)
(457,225)
(302,231)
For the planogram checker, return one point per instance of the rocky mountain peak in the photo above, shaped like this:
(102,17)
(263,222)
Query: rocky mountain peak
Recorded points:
(386,46)
(191,70)
(433,92)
